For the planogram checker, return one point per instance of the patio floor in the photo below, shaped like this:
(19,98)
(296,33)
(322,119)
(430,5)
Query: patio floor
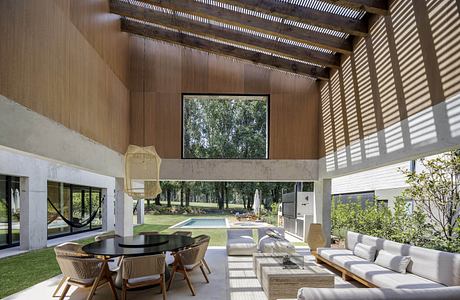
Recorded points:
(241,284)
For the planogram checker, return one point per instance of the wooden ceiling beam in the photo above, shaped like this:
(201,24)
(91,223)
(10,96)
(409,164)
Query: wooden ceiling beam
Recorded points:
(304,15)
(377,7)
(186,40)
(277,29)
(223,34)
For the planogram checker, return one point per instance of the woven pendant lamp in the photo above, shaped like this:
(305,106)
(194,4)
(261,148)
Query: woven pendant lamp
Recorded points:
(142,172)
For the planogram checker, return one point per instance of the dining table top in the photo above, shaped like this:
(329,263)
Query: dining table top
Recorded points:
(138,245)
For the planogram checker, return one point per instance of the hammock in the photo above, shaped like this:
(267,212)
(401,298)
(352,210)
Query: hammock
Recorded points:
(79,224)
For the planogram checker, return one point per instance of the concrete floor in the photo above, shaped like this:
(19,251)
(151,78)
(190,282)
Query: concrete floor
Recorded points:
(232,278)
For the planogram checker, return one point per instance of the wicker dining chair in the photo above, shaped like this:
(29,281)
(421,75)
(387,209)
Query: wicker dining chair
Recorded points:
(84,273)
(184,233)
(186,261)
(143,271)
(105,236)
(69,250)
(198,240)
(149,233)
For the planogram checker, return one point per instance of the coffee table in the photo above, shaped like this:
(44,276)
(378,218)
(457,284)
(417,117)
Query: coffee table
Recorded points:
(280,282)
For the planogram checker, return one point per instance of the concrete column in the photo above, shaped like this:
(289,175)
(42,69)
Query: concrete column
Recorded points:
(108,209)
(34,212)
(123,210)
(140,211)
(322,209)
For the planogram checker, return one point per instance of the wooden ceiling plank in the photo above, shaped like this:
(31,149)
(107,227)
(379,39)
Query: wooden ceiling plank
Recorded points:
(186,40)
(305,15)
(227,35)
(377,7)
(277,29)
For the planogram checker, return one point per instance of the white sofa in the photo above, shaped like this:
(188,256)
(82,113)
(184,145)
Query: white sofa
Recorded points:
(240,242)
(268,244)
(444,293)
(427,269)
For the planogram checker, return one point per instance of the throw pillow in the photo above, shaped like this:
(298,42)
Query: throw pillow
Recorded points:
(393,262)
(365,251)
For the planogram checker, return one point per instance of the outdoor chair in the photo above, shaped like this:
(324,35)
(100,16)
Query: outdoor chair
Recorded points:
(201,239)
(69,250)
(85,273)
(143,271)
(184,233)
(105,236)
(149,233)
(186,261)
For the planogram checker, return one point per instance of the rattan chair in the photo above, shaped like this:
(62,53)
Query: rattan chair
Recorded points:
(69,250)
(105,236)
(201,239)
(84,273)
(184,233)
(186,261)
(149,233)
(143,271)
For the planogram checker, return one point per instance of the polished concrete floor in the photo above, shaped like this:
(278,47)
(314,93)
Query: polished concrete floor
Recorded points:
(232,278)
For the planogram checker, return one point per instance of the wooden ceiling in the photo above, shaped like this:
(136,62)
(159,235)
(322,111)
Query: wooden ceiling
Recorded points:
(306,37)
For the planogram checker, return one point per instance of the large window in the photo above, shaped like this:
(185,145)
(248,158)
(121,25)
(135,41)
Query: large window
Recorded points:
(9,211)
(73,208)
(225,126)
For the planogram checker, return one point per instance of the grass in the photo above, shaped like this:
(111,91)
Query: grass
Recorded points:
(22,271)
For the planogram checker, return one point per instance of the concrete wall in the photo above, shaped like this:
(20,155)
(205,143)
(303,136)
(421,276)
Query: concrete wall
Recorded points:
(34,173)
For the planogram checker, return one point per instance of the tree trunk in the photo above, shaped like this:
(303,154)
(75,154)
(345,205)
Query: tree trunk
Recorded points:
(187,197)
(148,203)
(182,195)
(168,197)
(226,195)
(157,200)
(244,201)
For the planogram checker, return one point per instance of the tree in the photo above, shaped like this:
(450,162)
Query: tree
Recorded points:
(436,189)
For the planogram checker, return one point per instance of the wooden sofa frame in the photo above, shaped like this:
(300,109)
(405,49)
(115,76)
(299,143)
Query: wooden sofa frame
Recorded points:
(346,275)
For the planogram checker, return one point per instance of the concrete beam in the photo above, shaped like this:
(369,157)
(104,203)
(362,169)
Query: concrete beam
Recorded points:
(238,170)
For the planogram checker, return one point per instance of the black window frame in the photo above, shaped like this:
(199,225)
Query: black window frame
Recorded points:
(267,156)
(9,235)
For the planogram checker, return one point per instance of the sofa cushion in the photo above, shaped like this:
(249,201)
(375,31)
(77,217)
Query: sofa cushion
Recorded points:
(385,278)
(262,232)
(397,263)
(241,246)
(445,293)
(330,253)
(365,251)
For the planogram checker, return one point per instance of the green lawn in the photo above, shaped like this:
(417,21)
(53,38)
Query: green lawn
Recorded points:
(22,271)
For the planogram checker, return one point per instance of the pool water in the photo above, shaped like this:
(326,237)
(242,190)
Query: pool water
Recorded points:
(202,223)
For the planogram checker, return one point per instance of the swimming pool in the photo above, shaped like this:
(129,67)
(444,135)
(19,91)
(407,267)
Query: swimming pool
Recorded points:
(202,223)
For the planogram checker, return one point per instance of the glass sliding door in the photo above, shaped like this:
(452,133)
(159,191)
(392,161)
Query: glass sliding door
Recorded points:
(9,211)
(76,209)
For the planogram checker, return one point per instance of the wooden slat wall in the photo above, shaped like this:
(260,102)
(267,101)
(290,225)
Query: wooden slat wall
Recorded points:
(172,70)
(67,60)
(408,63)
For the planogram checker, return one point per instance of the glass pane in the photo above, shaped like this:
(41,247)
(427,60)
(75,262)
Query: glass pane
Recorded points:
(96,206)
(3,212)
(15,208)
(81,207)
(59,195)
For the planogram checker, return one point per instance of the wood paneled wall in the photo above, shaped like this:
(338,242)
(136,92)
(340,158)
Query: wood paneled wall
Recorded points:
(69,61)
(165,71)
(409,62)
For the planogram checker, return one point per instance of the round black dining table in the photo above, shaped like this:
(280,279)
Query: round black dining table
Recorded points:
(138,245)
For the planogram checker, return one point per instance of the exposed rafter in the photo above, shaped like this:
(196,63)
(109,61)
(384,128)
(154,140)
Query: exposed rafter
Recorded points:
(175,37)
(304,15)
(277,29)
(378,7)
(224,34)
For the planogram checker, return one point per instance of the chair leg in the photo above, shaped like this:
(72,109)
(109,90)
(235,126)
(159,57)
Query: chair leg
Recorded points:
(173,273)
(204,274)
(162,285)
(206,265)
(112,286)
(64,279)
(64,292)
(123,290)
(189,283)
(95,284)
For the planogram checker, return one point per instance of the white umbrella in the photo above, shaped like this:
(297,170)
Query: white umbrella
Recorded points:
(256,202)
